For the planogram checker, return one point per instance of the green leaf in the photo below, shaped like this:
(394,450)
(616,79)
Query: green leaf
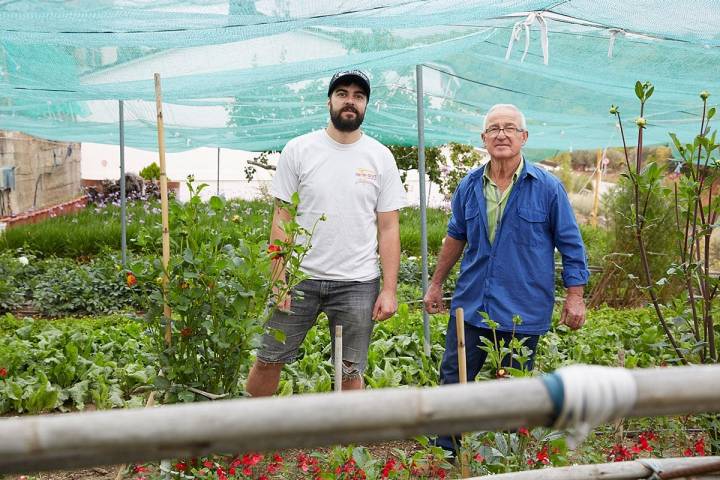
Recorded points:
(216,203)
(186,396)
(649,92)
(711,113)
(278,335)
(639,90)
(162,383)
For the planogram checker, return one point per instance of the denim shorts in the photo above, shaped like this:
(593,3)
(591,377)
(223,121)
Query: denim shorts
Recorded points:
(345,303)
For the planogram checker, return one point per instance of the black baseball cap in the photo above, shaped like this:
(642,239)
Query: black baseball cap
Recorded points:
(355,76)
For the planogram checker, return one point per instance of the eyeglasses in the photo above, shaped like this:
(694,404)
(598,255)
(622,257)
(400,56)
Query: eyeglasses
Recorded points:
(493,132)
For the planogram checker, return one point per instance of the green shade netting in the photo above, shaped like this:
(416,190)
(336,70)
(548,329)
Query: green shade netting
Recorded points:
(252,74)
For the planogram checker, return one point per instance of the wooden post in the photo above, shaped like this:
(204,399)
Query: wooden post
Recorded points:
(164,208)
(596,190)
(462,368)
(338,357)
(121,471)
(460,327)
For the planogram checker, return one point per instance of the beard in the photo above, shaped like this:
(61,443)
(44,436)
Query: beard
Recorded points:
(343,124)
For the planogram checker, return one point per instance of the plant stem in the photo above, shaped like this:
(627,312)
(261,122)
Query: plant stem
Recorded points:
(653,296)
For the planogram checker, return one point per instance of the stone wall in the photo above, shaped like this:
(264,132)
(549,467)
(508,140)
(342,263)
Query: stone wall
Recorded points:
(47,173)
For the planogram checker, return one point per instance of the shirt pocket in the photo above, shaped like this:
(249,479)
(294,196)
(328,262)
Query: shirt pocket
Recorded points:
(530,226)
(473,223)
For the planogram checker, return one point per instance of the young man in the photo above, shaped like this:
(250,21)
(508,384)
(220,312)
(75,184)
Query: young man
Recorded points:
(352,180)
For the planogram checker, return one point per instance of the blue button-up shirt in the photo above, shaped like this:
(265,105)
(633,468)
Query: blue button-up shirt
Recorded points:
(515,275)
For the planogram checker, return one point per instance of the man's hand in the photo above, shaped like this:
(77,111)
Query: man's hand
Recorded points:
(573,312)
(433,300)
(385,305)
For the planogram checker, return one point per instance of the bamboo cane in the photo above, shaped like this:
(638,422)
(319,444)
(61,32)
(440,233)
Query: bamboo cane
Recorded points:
(164,208)
(73,440)
(150,403)
(596,190)
(338,358)
(462,368)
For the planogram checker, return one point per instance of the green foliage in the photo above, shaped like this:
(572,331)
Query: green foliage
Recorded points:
(598,243)
(608,332)
(68,363)
(97,229)
(406,159)
(446,172)
(437,220)
(217,287)
(463,158)
(622,267)
(151,172)
(59,286)
(12,281)
(63,287)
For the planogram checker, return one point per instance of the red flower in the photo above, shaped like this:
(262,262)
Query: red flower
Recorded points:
(247,471)
(620,453)
(3,372)
(277,458)
(130,279)
(699,447)
(209,464)
(522,431)
(140,469)
(275,251)
(181,466)
(542,455)
(479,458)
(688,453)
(186,332)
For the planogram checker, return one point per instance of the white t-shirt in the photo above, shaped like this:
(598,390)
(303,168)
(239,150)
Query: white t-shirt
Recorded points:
(349,184)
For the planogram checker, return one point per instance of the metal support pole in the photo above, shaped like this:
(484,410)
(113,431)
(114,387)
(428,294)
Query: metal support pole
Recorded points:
(218,173)
(423,202)
(123,212)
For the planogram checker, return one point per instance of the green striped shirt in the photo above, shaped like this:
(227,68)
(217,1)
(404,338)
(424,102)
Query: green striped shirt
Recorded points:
(495,200)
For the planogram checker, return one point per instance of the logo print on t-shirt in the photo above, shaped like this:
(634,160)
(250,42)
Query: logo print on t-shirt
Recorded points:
(365,175)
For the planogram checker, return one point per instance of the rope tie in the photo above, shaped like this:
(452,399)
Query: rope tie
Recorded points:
(614,32)
(525,25)
(585,396)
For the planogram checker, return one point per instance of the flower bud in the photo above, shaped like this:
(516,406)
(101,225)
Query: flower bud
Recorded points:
(641,122)
(704,95)
(614,110)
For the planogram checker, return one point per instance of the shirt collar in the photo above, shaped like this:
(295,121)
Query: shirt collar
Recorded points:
(518,171)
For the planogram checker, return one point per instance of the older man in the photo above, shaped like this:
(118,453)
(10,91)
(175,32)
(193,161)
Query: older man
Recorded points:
(508,218)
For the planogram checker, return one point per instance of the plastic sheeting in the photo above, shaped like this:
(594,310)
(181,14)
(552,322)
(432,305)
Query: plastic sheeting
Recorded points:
(252,74)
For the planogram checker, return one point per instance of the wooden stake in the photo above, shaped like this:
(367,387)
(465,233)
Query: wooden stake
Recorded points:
(460,327)
(338,358)
(596,190)
(164,207)
(121,471)
(462,367)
